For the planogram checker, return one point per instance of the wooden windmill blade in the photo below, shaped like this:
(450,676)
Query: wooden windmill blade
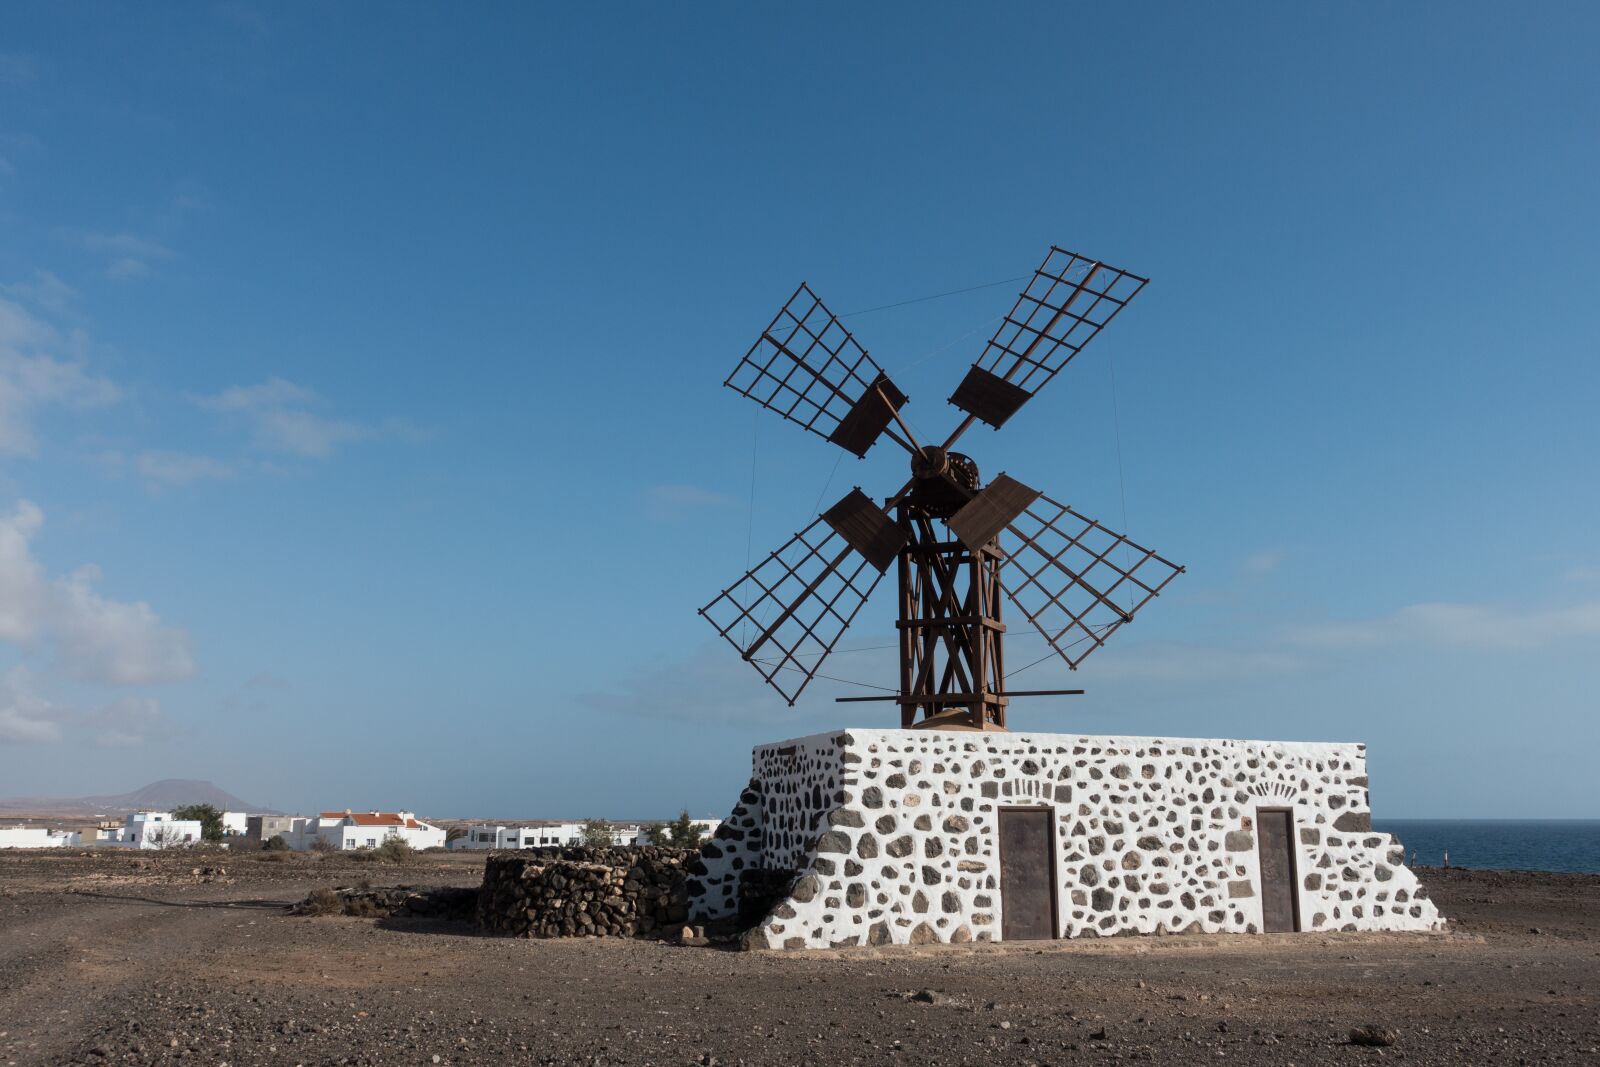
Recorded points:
(787,613)
(811,370)
(1076,580)
(1066,303)
(960,548)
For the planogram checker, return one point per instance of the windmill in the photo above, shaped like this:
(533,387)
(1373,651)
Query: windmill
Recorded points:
(1075,580)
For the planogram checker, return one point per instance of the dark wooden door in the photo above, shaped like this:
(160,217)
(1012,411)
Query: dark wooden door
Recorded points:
(1280,912)
(1027,875)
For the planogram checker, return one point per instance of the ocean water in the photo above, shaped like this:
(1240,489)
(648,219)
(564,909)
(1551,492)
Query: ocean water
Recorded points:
(1508,844)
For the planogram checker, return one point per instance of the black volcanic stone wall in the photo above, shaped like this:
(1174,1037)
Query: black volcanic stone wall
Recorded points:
(584,892)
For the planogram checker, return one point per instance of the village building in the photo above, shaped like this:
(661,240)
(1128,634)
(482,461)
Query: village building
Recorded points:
(259,829)
(36,837)
(923,836)
(706,828)
(159,830)
(485,836)
(562,834)
(349,830)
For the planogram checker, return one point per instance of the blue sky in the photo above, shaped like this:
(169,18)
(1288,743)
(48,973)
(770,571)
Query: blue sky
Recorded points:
(362,440)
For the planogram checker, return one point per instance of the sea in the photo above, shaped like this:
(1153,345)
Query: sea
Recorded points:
(1506,844)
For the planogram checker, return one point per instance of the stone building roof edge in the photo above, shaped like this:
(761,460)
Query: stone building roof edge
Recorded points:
(1033,736)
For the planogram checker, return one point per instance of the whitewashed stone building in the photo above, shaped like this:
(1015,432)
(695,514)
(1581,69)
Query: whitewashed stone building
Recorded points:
(921,836)
(35,837)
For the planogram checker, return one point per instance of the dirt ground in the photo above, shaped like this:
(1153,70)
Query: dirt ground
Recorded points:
(118,958)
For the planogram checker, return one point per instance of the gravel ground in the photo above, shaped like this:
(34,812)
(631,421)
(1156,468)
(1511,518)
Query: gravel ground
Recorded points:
(111,958)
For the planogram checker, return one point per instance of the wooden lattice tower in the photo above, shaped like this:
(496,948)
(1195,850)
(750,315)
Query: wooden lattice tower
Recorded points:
(1074,580)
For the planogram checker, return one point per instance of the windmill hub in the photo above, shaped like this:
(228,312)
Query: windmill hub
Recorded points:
(943,481)
(934,462)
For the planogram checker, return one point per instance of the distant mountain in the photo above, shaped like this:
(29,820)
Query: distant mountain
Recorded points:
(164,795)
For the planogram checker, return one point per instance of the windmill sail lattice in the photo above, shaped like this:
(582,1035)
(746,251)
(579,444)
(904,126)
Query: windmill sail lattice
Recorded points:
(960,549)
(1076,580)
(785,615)
(1069,299)
(808,368)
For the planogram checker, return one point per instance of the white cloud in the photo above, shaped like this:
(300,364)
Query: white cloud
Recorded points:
(300,433)
(22,585)
(125,244)
(1258,564)
(244,16)
(272,393)
(1473,626)
(124,723)
(25,717)
(1161,661)
(28,718)
(121,643)
(95,639)
(18,69)
(670,503)
(127,255)
(713,685)
(33,375)
(127,268)
(276,412)
(46,290)
(172,470)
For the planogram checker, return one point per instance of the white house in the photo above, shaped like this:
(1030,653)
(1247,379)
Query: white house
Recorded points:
(100,834)
(158,829)
(35,837)
(235,823)
(513,837)
(707,827)
(485,836)
(960,836)
(348,830)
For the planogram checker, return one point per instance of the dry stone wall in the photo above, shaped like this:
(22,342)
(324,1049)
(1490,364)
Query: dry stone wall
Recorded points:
(583,892)
(400,901)
(891,836)
(775,825)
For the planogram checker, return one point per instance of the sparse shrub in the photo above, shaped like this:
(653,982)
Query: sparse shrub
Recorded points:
(363,855)
(364,908)
(209,818)
(275,843)
(395,850)
(322,844)
(595,833)
(683,833)
(322,902)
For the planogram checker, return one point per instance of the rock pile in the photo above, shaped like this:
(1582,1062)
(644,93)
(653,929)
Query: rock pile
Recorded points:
(584,892)
(400,901)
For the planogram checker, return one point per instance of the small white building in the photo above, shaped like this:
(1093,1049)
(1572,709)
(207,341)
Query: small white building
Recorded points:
(485,836)
(159,830)
(35,837)
(923,836)
(538,835)
(707,827)
(349,830)
(235,823)
(623,834)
